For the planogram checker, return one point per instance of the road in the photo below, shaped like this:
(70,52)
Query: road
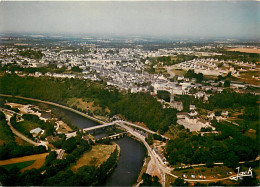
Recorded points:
(118,122)
(162,169)
(8,117)
(169,68)
(151,153)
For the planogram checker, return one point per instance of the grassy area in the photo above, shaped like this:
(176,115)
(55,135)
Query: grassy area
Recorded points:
(96,156)
(247,77)
(169,179)
(26,126)
(19,165)
(160,70)
(178,71)
(251,124)
(36,161)
(83,104)
(20,141)
(210,173)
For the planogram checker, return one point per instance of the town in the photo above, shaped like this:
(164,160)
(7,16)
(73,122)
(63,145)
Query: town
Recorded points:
(184,80)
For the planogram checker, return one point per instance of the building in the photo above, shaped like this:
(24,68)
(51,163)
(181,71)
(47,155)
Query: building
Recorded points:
(192,107)
(36,131)
(181,115)
(224,114)
(176,104)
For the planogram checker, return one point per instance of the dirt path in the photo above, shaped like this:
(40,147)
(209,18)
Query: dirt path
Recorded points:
(18,133)
(23,159)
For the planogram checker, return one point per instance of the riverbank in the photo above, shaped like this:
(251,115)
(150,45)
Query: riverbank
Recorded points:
(130,161)
(96,156)
(57,105)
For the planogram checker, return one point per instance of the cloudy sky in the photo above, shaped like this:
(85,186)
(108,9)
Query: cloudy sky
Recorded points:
(196,19)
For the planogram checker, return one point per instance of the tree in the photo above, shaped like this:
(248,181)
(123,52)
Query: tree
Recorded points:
(148,180)
(220,65)
(165,95)
(149,140)
(49,158)
(179,182)
(69,145)
(231,160)
(31,177)
(227,83)
(209,162)
(76,69)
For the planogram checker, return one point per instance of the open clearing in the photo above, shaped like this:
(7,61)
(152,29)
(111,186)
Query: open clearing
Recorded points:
(39,161)
(96,156)
(20,141)
(83,104)
(245,50)
(26,126)
(19,165)
(178,71)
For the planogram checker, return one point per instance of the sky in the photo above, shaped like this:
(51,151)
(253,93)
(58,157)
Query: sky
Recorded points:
(234,19)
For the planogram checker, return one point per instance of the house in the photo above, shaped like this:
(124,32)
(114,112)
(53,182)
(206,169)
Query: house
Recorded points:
(38,74)
(224,114)
(181,115)
(203,123)
(211,115)
(180,78)
(199,95)
(36,131)
(206,98)
(192,107)
(177,105)
(191,116)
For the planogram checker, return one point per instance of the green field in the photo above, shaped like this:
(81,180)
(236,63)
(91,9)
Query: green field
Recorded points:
(251,124)
(19,165)
(25,126)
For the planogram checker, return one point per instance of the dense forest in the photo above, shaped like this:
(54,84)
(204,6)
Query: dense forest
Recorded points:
(228,99)
(230,147)
(140,107)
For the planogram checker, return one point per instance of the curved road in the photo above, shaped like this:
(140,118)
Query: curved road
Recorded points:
(8,117)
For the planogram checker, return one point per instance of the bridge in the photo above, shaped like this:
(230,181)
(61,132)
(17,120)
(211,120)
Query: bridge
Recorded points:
(162,169)
(85,115)
(117,122)
(114,136)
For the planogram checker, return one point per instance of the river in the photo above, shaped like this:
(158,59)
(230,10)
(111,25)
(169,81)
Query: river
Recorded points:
(132,153)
